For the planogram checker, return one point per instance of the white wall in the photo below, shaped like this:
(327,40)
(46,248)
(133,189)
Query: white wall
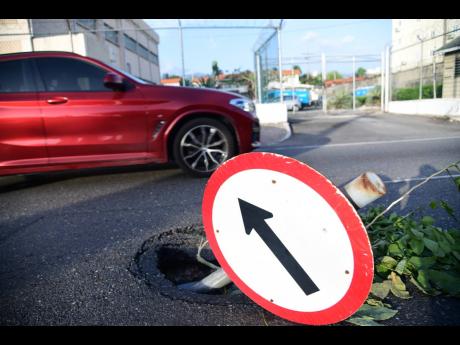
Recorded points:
(272,113)
(443,107)
(62,43)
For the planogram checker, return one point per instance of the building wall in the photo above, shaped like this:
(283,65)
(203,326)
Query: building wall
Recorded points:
(404,34)
(16,43)
(451,84)
(66,43)
(53,34)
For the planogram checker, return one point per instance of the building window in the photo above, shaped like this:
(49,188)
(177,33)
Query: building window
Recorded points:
(128,67)
(153,58)
(143,52)
(111,35)
(87,23)
(457,66)
(130,44)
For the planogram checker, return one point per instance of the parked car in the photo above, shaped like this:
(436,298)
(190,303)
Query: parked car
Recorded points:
(63,111)
(292,103)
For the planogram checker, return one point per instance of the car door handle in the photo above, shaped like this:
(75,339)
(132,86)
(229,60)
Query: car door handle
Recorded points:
(57,100)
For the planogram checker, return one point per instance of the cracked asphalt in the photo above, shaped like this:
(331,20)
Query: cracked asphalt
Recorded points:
(67,239)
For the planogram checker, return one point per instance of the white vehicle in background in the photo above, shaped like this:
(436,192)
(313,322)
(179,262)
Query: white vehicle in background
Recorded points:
(292,103)
(314,96)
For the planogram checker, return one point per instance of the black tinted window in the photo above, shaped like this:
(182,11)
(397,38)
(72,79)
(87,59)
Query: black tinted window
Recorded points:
(65,74)
(15,76)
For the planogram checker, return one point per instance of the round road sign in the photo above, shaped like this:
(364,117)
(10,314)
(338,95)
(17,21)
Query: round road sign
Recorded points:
(288,238)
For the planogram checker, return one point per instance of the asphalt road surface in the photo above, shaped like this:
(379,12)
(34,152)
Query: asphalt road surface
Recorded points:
(67,239)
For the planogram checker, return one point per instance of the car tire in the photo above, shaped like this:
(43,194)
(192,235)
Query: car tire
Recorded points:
(201,145)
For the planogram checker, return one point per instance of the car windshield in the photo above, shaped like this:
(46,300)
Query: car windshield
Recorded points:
(136,79)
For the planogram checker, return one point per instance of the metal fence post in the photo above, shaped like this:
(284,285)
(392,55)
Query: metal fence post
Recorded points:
(421,69)
(387,78)
(323,70)
(280,64)
(382,82)
(434,76)
(354,85)
(182,52)
(259,80)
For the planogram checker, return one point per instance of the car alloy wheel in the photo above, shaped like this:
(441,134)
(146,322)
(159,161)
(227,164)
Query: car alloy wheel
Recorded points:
(204,148)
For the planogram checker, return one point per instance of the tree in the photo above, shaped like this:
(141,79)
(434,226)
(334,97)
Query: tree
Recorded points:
(215,69)
(297,67)
(360,72)
(332,75)
(308,78)
(249,78)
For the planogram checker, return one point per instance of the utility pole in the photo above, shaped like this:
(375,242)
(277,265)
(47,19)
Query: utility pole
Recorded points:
(354,84)
(182,52)
(421,68)
(323,67)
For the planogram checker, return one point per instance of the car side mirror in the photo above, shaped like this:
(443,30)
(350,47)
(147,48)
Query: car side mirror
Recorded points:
(114,81)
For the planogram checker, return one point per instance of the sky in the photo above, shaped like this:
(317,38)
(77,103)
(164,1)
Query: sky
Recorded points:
(234,48)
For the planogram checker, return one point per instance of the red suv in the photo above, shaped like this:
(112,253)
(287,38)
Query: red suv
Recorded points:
(65,111)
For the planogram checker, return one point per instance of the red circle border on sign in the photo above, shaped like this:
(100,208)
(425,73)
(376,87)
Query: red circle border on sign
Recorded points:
(362,254)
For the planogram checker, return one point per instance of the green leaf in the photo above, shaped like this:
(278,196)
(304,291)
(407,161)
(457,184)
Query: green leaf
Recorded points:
(389,261)
(445,246)
(449,237)
(363,321)
(401,266)
(446,281)
(422,262)
(433,204)
(397,287)
(381,290)
(393,250)
(447,208)
(418,234)
(434,247)
(427,220)
(457,183)
(456,254)
(423,280)
(374,302)
(374,312)
(417,246)
(415,282)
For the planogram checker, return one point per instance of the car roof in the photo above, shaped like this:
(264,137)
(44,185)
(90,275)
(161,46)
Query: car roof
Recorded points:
(39,53)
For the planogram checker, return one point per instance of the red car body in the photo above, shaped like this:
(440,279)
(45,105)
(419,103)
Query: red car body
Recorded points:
(44,131)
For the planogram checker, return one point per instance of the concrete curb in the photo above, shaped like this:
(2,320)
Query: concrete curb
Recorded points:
(275,133)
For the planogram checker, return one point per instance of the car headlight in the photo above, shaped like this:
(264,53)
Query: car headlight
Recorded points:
(245,104)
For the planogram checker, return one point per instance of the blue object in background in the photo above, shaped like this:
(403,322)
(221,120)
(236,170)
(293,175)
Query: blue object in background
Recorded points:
(303,95)
(363,91)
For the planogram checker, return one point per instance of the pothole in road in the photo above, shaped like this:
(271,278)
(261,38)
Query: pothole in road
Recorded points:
(168,259)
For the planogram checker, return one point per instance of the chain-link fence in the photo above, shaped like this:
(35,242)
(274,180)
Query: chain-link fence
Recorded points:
(267,62)
(418,69)
(335,81)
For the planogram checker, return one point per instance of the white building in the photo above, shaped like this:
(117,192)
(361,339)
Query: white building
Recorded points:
(129,44)
(406,41)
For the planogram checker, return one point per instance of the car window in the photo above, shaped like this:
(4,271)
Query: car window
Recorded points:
(65,74)
(16,76)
